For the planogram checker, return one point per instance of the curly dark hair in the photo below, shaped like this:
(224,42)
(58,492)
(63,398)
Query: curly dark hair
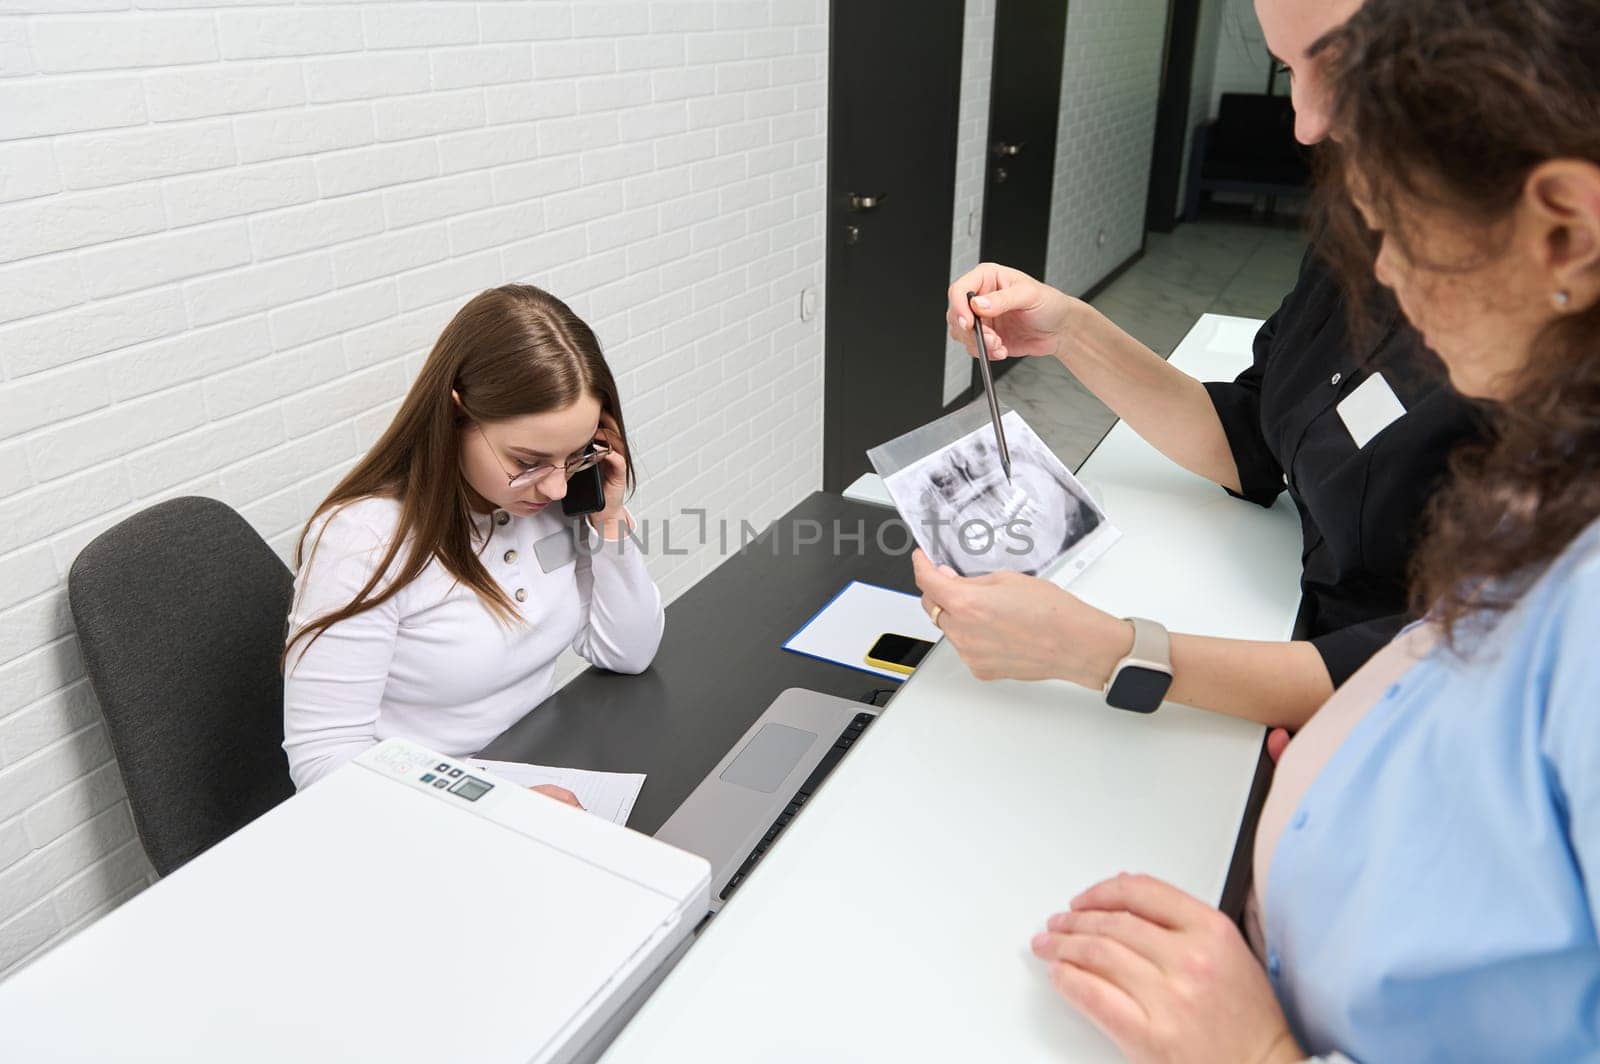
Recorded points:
(1451,104)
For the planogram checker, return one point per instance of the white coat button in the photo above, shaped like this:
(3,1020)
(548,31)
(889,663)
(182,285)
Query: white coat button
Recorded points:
(522,594)
(511,557)
(501,517)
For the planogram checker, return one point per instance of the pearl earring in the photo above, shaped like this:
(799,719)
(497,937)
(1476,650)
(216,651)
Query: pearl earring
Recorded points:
(1563,297)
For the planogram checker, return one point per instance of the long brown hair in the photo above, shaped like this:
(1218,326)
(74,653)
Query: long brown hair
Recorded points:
(510,351)
(1450,105)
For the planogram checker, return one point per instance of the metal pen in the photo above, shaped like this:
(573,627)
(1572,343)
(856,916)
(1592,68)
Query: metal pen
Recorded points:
(988,388)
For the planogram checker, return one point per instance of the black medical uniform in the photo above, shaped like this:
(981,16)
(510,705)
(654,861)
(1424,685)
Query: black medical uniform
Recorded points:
(1361,509)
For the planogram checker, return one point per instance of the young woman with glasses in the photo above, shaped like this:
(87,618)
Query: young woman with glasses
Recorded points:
(440,579)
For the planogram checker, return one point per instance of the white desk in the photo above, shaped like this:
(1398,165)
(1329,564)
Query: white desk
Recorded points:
(868,487)
(892,922)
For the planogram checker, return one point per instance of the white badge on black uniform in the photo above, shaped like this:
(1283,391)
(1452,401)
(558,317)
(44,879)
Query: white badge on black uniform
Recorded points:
(1369,409)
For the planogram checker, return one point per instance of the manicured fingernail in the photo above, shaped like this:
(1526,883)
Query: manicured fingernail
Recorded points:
(947,571)
(965,323)
(981,301)
(1040,941)
(1058,921)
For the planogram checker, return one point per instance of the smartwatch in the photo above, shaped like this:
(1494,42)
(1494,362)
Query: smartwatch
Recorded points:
(1140,680)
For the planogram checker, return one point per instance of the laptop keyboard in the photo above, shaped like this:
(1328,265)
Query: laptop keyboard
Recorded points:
(830,760)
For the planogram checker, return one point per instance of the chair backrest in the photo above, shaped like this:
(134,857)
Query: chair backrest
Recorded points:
(181,613)
(1254,134)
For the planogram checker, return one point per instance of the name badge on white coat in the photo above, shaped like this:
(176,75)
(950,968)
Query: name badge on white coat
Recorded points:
(556,550)
(1370,409)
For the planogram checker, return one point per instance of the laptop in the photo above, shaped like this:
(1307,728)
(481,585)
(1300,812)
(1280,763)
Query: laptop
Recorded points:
(737,813)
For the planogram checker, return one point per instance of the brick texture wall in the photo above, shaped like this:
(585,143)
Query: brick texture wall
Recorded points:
(230,230)
(1110,80)
(229,233)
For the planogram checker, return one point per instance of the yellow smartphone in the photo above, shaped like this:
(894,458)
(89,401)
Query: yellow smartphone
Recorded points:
(898,653)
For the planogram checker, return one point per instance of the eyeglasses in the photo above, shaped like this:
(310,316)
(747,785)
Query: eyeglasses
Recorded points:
(590,458)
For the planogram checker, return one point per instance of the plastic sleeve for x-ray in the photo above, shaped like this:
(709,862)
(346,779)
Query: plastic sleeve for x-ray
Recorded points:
(891,457)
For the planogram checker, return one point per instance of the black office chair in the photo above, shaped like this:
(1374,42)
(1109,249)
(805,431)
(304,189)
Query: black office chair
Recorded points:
(181,612)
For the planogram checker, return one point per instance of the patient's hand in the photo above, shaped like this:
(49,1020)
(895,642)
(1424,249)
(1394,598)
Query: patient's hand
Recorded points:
(1165,976)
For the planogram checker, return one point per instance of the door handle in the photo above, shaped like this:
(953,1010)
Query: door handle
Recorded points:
(867,203)
(1002,150)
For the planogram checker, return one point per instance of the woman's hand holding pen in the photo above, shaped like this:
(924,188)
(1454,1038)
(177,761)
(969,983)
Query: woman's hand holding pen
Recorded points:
(1021,316)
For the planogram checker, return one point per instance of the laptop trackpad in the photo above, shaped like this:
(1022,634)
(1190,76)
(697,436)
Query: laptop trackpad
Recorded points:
(767,759)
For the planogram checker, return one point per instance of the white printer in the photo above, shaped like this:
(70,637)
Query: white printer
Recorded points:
(406,908)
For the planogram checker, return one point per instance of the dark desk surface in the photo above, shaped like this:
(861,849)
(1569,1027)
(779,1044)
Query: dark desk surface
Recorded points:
(721,660)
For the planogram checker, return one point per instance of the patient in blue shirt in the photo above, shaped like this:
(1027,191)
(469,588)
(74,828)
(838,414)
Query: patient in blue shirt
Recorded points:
(1433,892)
(1428,861)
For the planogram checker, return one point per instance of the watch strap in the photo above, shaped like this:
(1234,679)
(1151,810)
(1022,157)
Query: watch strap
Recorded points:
(1151,643)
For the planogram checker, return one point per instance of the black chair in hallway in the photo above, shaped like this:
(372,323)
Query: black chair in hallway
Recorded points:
(181,612)
(1248,149)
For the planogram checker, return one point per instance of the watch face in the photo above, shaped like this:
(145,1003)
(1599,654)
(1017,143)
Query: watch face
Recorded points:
(1138,689)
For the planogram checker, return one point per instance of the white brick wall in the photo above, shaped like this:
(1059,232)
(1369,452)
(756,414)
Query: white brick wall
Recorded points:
(228,237)
(229,233)
(1110,80)
(972,164)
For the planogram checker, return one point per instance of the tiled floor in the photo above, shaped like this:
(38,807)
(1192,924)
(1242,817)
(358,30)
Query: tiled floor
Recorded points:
(1220,267)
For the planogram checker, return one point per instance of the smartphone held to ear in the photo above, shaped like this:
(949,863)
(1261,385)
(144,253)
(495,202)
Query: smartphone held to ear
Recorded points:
(898,653)
(586,492)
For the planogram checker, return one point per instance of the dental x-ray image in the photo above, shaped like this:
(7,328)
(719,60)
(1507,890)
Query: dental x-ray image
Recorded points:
(965,514)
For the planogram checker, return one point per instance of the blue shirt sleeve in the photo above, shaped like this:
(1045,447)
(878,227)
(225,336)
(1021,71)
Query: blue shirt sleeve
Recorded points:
(1570,743)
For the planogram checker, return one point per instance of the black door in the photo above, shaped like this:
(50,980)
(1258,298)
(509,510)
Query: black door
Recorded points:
(894,89)
(1024,109)
(1172,116)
